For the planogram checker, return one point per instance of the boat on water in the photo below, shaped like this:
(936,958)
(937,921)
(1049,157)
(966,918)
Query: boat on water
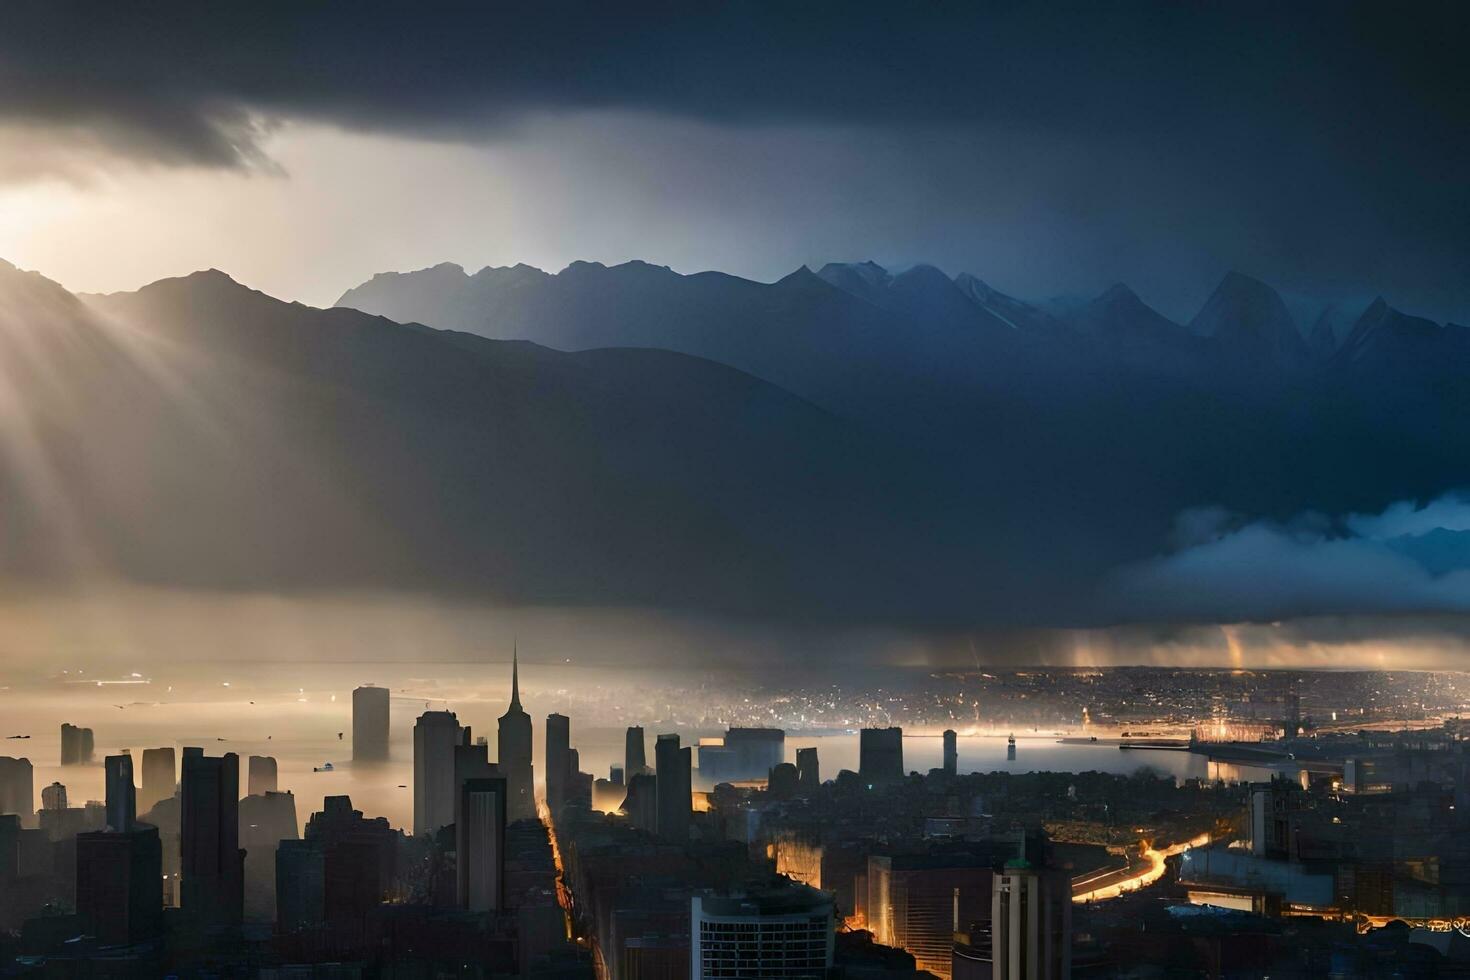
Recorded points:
(324,767)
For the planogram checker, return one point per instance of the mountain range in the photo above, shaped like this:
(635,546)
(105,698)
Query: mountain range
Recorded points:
(198,433)
(1104,416)
(845,444)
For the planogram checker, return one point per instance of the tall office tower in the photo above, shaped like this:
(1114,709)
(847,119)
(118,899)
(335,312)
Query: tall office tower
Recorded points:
(435,735)
(479,844)
(1031,924)
(641,802)
(471,761)
(359,860)
(918,901)
(634,759)
(615,775)
(808,775)
(880,755)
(17,788)
(160,778)
(76,745)
(672,770)
(369,724)
(122,795)
(301,877)
(781,933)
(266,820)
(212,865)
(951,752)
(262,779)
(120,883)
(755,751)
(558,761)
(53,797)
(515,751)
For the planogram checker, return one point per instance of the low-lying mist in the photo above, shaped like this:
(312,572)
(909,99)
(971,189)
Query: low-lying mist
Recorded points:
(112,631)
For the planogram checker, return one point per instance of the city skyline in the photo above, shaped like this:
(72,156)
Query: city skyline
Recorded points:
(1282,762)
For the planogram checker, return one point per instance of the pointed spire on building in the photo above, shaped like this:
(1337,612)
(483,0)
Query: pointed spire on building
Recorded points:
(515,676)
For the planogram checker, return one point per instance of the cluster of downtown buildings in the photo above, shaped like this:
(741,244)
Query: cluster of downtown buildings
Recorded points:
(873,874)
(177,872)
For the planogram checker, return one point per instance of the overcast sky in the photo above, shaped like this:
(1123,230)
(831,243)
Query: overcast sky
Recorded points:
(1046,148)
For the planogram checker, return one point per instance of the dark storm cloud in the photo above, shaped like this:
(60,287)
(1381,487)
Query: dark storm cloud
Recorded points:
(1287,72)
(1320,145)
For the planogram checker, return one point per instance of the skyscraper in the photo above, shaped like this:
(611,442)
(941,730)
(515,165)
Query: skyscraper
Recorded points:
(76,745)
(359,860)
(808,775)
(18,788)
(301,875)
(880,755)
(120,883)
(951,752)
(558,761)
(673,767)
(262,775)
(515,751)
(122,795)
(480,844)
(435,735)
(634,759)
(916,902)
(160,777)
(370,724)
(266,820)
(212,866)
(471,761)
(755,751)
(1031,923)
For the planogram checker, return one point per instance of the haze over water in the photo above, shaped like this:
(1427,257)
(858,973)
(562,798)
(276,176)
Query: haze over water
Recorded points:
(295,712)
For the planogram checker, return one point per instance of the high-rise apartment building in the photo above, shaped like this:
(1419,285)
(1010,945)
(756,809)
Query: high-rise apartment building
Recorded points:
(783,933)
